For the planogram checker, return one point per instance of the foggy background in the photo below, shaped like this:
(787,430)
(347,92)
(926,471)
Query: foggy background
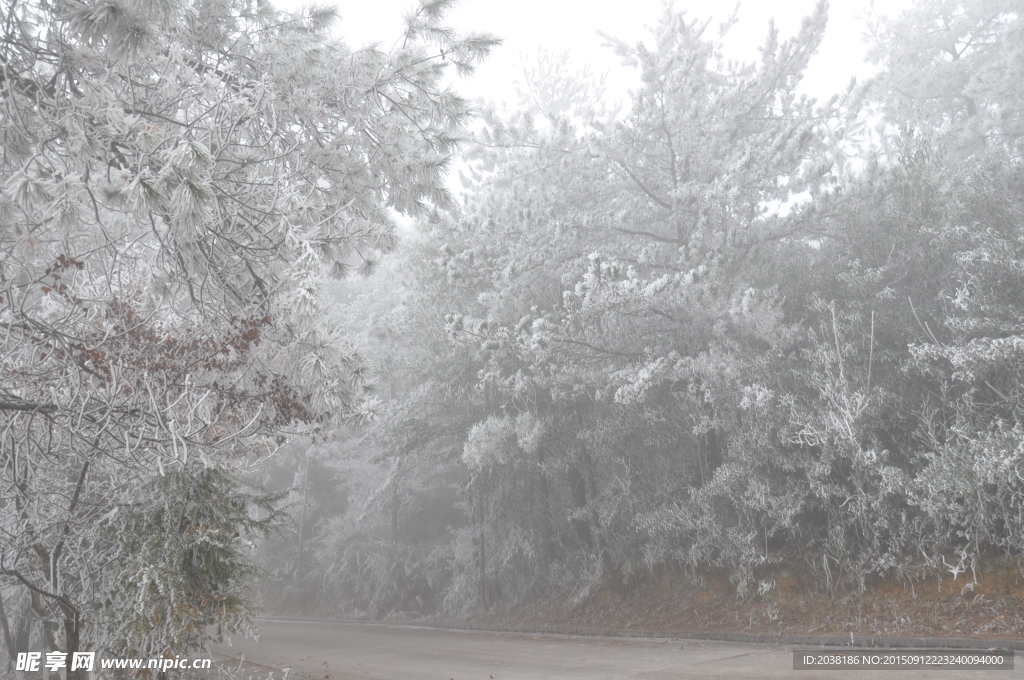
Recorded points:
(366,314)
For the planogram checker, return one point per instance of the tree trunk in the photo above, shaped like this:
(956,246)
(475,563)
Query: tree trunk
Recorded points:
(483,551)
(302,520)
(12,651)
(578,492)
(394,512)
(595,524)
(546,525)
(72,639)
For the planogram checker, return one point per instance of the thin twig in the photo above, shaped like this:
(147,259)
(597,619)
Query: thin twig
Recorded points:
(835,334)
(871,347)
(923,326)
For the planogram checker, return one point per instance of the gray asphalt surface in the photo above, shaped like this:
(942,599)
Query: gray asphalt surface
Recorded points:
(356,651)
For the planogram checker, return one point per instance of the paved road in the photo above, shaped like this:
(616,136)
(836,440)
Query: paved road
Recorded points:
(354,651)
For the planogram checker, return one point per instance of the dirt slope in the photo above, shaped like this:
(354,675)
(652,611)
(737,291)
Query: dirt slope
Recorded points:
(937,606)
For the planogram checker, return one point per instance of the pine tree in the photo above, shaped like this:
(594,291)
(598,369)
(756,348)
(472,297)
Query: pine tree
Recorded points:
(179,179)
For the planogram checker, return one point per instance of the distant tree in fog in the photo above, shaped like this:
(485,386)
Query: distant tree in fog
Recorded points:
(954,69)
(731,328)
(178,181)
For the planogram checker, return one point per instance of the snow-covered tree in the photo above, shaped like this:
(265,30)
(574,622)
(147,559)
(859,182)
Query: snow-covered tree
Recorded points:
(952,71)
(178,180)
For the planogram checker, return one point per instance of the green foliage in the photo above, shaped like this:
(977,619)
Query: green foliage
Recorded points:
(184,550)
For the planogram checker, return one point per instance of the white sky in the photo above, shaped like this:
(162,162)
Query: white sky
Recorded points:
(530,25)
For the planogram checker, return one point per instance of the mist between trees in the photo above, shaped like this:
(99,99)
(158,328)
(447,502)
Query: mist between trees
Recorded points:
(724,327)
